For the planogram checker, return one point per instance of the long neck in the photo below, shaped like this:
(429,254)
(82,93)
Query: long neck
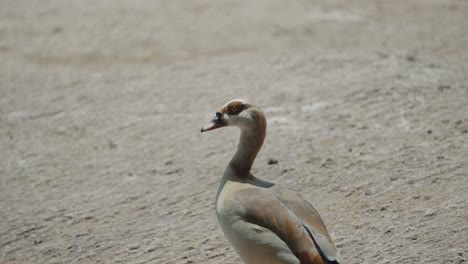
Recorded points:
(250,142)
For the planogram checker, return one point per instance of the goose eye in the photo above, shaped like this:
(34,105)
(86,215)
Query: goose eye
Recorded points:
(235,108)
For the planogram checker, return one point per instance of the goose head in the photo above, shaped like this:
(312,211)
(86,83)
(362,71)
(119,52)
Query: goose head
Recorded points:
(238,113)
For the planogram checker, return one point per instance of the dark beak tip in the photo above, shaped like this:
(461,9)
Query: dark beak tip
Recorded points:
(215,123)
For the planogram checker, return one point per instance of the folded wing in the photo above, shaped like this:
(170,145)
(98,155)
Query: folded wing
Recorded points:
(275,210)
(311,220)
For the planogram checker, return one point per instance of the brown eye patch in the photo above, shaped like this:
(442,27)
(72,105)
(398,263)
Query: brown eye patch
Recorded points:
(235,108)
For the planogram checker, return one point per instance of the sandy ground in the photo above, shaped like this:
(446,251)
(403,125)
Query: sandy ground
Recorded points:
(101,103)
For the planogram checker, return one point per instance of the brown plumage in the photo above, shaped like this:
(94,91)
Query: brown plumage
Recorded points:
(264,222)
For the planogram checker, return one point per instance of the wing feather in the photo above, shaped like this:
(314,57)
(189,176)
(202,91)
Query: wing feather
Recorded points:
(311,220)
(265,209)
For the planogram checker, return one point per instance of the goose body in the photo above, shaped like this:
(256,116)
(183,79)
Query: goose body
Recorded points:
(264,222)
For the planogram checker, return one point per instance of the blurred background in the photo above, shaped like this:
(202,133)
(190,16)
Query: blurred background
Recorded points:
(101,103)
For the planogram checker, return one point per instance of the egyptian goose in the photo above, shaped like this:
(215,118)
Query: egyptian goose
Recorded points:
(265,223)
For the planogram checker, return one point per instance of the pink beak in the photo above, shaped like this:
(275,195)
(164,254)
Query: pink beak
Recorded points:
(215,123)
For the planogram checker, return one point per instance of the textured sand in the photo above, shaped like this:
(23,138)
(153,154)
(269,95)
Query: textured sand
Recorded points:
(101,103)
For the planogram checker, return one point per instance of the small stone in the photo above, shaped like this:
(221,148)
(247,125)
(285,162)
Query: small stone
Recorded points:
(411,58)
(327,163)
(394,178)
(134,247)
(272,161)
(429,131)
(57,29)
(367,192)
(443,87)
(111,144)
(388,231)
(429,213)
(151,249)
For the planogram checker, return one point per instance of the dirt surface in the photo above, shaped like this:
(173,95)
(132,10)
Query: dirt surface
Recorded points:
(101,103)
